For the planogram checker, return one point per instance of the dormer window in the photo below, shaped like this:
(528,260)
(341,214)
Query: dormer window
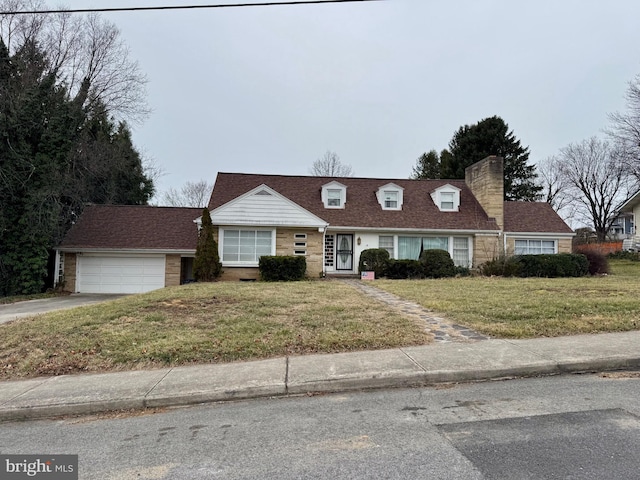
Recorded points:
(447,198)
(334,195)
(390,197)
(334,198)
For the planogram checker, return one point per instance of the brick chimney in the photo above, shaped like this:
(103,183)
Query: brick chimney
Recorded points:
(486,180)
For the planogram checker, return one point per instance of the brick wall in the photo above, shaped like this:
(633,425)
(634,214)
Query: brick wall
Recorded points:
(172,270)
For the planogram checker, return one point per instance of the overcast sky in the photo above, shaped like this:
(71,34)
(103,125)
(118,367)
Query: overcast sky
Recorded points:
(271,89)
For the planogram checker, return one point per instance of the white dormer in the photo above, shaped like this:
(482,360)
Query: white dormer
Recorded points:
(447,198)
(390,196)
(334,195)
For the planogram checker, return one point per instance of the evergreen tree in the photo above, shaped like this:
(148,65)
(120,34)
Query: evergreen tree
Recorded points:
(427,166)
(49,165)
(206,265)
(491,136)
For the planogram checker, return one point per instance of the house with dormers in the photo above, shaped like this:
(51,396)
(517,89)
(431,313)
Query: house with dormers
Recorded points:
(329,221)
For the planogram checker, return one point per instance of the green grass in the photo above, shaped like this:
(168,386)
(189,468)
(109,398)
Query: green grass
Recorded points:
(533,307)
(202,323)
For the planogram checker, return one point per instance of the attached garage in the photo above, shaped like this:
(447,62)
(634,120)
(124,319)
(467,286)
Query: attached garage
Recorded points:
(120,273)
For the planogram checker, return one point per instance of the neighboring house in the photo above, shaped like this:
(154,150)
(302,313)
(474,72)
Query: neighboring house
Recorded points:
(622,226)
(632,206)
(329,221)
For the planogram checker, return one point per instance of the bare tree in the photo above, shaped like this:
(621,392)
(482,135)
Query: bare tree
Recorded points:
(330,166)
(191,194)
(555,188)
(597,177)
(625,127)
(85,52)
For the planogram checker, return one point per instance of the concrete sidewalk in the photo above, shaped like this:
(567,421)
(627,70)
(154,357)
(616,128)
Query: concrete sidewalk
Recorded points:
(412,366)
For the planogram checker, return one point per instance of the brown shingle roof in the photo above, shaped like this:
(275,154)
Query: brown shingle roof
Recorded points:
(533,217)
(362,208)
(134,227)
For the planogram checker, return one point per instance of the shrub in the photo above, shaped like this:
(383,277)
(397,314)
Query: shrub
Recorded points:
(625,255)
(206,265)
(462,271)
(282,268)
(374,260)
(552,265)
(437,263)
(501,267)
(598,263)
(404,269)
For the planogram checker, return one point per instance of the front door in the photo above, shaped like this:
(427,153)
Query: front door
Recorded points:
(344,252)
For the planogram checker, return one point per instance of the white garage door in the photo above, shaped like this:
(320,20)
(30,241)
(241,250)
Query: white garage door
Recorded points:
(119,274)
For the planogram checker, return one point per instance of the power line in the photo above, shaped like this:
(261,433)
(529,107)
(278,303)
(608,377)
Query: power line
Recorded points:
(183,7)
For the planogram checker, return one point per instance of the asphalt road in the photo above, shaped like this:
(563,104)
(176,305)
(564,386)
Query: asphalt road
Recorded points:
(30,308)
(569,427)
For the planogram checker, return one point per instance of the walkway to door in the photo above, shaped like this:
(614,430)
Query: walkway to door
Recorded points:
(441,330)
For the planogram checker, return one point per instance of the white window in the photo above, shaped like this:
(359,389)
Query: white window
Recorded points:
(334,198)
(386,242)
(390,196)
(334,195)
(446,201)
(458,248)
(245,247)
(447,198)
(391,200)
(461,251)
(535,247)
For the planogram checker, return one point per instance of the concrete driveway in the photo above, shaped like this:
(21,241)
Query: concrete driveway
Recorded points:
(30,308)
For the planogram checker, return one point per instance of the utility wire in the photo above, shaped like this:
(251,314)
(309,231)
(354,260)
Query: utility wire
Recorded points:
(183,7)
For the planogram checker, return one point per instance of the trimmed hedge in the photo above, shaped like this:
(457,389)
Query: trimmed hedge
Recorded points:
(553,265)
(437,264)
(545,265)
(404,269)
(282,268)
(374,260)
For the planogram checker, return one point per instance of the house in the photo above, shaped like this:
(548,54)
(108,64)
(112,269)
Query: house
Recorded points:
(632,208)
(622,226)
(329,221)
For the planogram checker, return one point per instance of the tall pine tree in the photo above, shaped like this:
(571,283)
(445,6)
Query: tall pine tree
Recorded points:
(491,136)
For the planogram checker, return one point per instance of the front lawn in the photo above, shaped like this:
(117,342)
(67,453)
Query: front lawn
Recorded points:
(532,307)
(201,323)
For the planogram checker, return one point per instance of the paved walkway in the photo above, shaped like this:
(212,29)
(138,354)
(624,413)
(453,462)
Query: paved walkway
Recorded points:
(441,330)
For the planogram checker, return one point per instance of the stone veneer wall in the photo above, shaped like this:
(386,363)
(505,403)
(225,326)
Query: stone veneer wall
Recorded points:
(486,180)
(285,245)
(70,260)
(486,248)
(172,270)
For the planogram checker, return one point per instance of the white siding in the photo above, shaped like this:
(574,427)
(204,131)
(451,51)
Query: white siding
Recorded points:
(264,207)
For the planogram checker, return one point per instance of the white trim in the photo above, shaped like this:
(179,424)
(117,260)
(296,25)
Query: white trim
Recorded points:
(416,231)
(124,251)
(539,235)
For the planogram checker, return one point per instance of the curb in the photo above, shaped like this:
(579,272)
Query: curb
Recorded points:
(344,384)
